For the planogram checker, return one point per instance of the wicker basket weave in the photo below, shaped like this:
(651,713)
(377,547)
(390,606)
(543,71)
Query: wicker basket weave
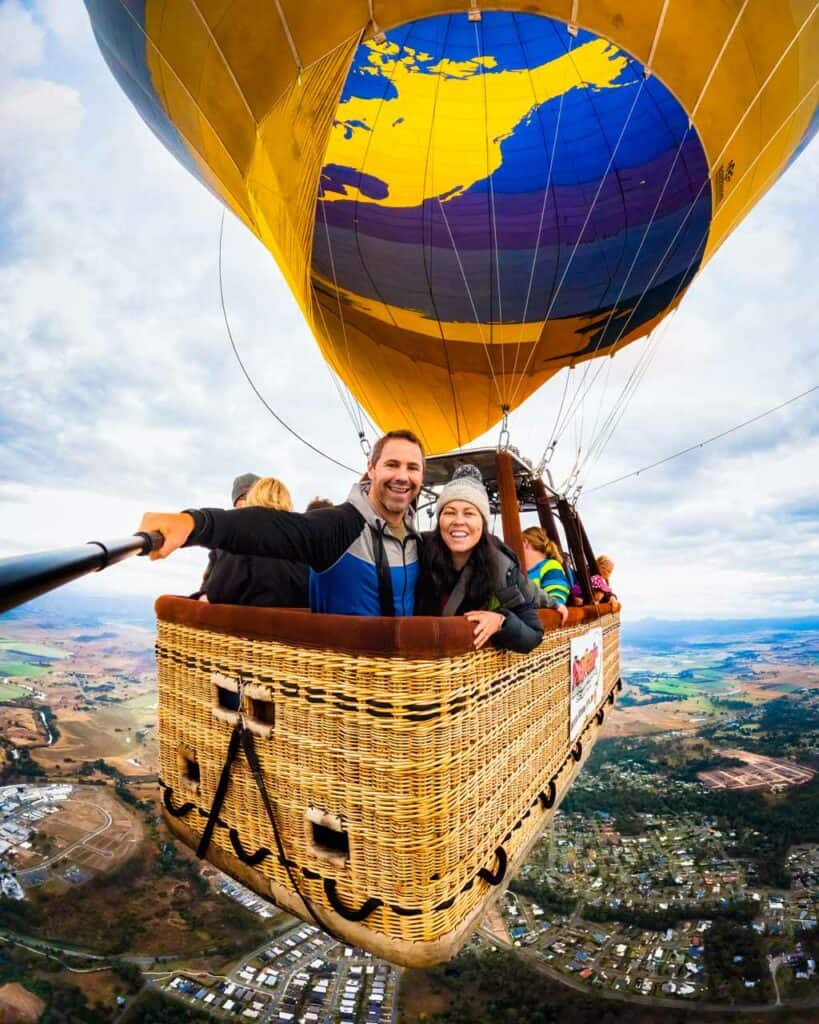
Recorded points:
(406,789)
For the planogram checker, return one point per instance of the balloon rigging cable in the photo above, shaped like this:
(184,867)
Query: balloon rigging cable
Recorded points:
(708,440)
(249,379)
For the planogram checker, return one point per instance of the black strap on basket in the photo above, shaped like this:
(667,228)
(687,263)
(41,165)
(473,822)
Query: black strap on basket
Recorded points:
(495,877)
(253,760)
(251,859)
(382,566)
(176,812)
(241,736)
(221,791)
(360,914)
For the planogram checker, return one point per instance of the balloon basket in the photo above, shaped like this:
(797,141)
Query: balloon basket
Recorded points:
(376,776)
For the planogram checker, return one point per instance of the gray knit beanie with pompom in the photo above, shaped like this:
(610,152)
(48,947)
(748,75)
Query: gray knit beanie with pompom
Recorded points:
(466,485)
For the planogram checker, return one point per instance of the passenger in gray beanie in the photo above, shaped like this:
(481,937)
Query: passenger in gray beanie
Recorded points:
(241,485)
(466,570)
(238,497)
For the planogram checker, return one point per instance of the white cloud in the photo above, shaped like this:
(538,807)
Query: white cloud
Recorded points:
(22,41)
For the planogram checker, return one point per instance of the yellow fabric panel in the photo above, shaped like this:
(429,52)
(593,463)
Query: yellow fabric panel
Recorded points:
(253,43)
(442,399)
(447,393)
(765,140)
(177,51)
(690,39)
(283,176)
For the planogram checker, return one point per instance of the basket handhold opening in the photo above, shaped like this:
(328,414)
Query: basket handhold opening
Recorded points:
(329,837)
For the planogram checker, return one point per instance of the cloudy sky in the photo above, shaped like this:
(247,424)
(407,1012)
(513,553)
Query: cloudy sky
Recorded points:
(119,391)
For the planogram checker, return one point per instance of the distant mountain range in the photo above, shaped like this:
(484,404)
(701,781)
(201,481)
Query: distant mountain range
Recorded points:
(724,630)
(67,608)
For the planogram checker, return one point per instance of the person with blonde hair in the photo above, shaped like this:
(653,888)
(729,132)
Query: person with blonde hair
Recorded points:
(253,579)
(544,564)
(606,567)
(268,492)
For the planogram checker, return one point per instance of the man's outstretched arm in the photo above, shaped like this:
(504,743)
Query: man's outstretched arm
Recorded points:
(316,538)
(175,527)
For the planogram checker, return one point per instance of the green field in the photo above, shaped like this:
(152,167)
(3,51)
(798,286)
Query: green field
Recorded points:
(36,650)
(8,691)
(147,702)
(21,668)
(671,685)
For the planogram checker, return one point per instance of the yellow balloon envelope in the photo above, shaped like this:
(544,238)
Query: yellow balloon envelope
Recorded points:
(465,198)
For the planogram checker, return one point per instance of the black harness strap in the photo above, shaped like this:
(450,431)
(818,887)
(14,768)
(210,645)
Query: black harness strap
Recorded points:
(497,877)
(251,859)
(221,791)
(361,914)
(258,775)
(382,566)
(548,796)
(176,812)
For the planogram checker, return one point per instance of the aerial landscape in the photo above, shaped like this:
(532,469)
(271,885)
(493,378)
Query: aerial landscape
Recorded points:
(681,875)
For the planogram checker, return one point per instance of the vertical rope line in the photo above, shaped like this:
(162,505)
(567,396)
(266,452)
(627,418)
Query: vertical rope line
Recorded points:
(708,180)
(228,67)
(542,460)
(636,377)
(699,100)
(764,85)
(623,401)
(772,177)
(638,93)
(541,219)
(343,322)
(607,426)
(344,393)
(739,181)
(471,300)
(406,401)
(608,364)
(290,40)
(602,335)
(244,370)
(493,238)
(717,60)
(656,40)
(187,92)
(428,259)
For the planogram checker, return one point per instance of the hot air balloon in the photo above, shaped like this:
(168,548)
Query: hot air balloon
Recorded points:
(464,199)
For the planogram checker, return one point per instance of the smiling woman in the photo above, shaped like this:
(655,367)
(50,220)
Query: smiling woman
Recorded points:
(468,571)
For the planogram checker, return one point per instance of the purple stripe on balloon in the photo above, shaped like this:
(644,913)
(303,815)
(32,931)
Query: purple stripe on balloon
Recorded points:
(627,198)
(431,282)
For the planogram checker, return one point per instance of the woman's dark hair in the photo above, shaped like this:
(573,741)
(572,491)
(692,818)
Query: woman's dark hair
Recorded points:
(438,575)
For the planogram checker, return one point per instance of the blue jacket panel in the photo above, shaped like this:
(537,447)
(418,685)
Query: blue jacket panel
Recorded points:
(350,587)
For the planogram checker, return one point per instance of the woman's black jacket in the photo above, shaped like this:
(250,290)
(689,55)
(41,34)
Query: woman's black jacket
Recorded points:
(254,580)
(513,597)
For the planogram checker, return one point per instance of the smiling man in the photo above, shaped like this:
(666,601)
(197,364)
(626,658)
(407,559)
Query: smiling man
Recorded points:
(363,555)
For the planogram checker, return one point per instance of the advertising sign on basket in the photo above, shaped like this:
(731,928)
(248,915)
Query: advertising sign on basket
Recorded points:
(586,679)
